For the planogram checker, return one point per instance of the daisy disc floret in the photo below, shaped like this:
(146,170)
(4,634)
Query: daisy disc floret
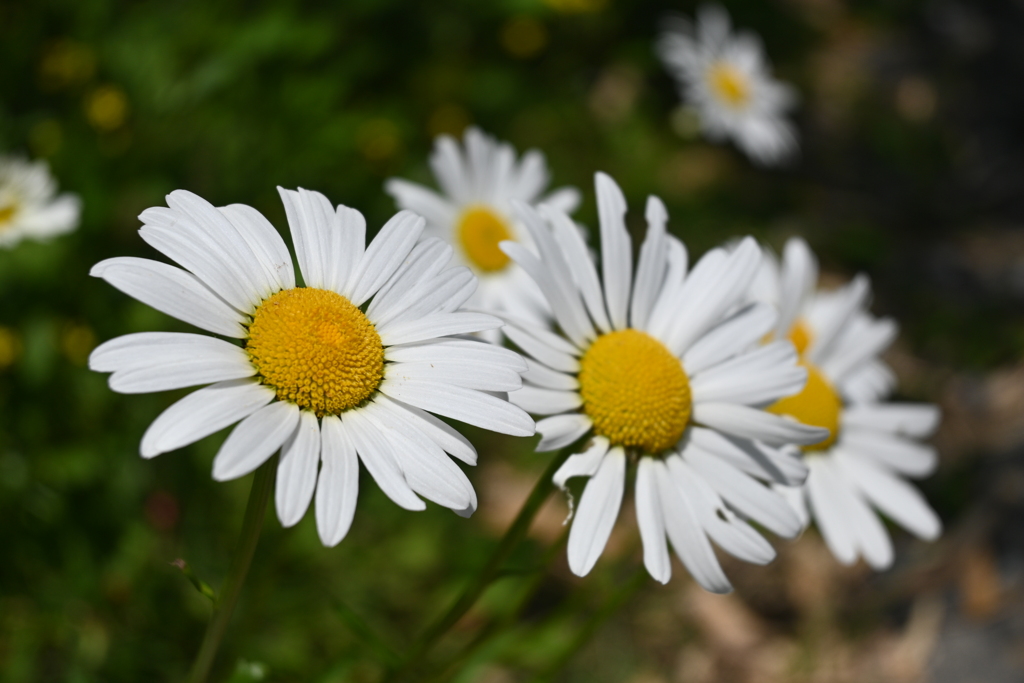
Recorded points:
(480,180)
(30,207)
(873,444)
(346,369)
(662,370)
(725,78)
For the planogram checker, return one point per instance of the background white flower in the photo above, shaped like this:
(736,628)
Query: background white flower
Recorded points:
(665,369)
(479,182)
(338,372)
(725,78)
(873,444)
(29,205)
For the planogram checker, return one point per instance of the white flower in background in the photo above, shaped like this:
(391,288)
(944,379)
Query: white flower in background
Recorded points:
(479,182)
(666,370)
(872,444)
(339,371)
(29,208)
(725,78)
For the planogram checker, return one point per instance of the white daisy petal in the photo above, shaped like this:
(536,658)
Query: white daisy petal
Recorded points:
(545,401)
(836,529)
(687,537)
(561,430)
(266,244)
(338,486)
(752,499)
(482,376)
(902,455)
(441,433)
(733,534)
(874,340)
(202,413)
(781,466)
(565,199)
(309,218)
(426,260)
(450,170)
(349,243)
(751,423)
(755,378)
(616,249)
(650,519)
(597,512)
(799,276)
(435,293)
(378,457)
(468,350)
(421,200)
(917,420)
(438,325)
(158,361)
(583,464)
(542,352)
(650,269)
(172,291)
(297,470)
(872,539)
(541,375)
(736,334)
(384,256)
(469,406)
(893,496)
(826,330)
(570,240)
(254,440)
(663,312)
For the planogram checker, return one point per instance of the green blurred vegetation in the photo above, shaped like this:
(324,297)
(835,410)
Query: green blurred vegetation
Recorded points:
(131,100)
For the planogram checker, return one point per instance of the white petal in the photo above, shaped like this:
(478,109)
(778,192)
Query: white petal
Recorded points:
(432,295)
(893,496)
(296,472)
(871,341)
(545,401)
(158,361)
(872,539)
(441,433)
(828,513)
(616,249)
(783,466)
(663,313)
(737,333)
(581,265)
(561,430)
(752,499)
(266,244)
(172,291)
(734,535)
(917,420)
(541,375)
(384,255)
(565,199)
(202,413)
(582,464)
(848,301)
(756,424)
(905,456)
(376,454)
(687,536)
(798,277)
(651,522)
(598,509)
(482,376)
(439,325)
(450,169)
(759,377)
(338,486)
(309,218)
(427,259)
(469,350)
(349,245)
(424,201)
(254,440)
(650,270)
(469,406)
(549,356)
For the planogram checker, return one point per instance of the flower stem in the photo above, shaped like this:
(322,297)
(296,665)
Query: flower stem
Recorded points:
(259,494)
(515,533)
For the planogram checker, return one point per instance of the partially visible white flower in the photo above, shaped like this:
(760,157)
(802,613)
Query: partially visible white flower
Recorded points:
(341,371)
(29,208)
(479,182)
(664,369)
(725,78)
(873,444)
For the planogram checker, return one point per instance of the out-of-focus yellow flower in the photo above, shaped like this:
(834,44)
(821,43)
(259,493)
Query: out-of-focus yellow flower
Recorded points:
(77,342)
(107,108)
(10,347)
(66,63)
(378,139)
(523,37)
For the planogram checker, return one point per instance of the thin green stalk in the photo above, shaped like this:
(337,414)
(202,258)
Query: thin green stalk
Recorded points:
(259,494)
(588,630)
(515,533)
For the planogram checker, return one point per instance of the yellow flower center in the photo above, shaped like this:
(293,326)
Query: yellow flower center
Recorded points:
(818,405)
(480,231)
(729,84)
(316,349)
(800,336)
(7,212)
(635,391)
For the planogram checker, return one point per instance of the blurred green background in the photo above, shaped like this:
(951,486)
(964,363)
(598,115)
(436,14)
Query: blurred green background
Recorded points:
(912,170)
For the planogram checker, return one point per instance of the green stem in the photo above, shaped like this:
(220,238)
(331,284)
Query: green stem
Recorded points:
(516,532)
(259,494)
(590,628)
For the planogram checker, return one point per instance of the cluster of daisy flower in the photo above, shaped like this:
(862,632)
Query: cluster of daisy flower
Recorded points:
(30,207)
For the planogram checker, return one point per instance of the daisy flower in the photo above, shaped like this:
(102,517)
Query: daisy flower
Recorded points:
(725,78)
(479,182)
(341,371)
(873,444)
(663,370)
(28,205)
